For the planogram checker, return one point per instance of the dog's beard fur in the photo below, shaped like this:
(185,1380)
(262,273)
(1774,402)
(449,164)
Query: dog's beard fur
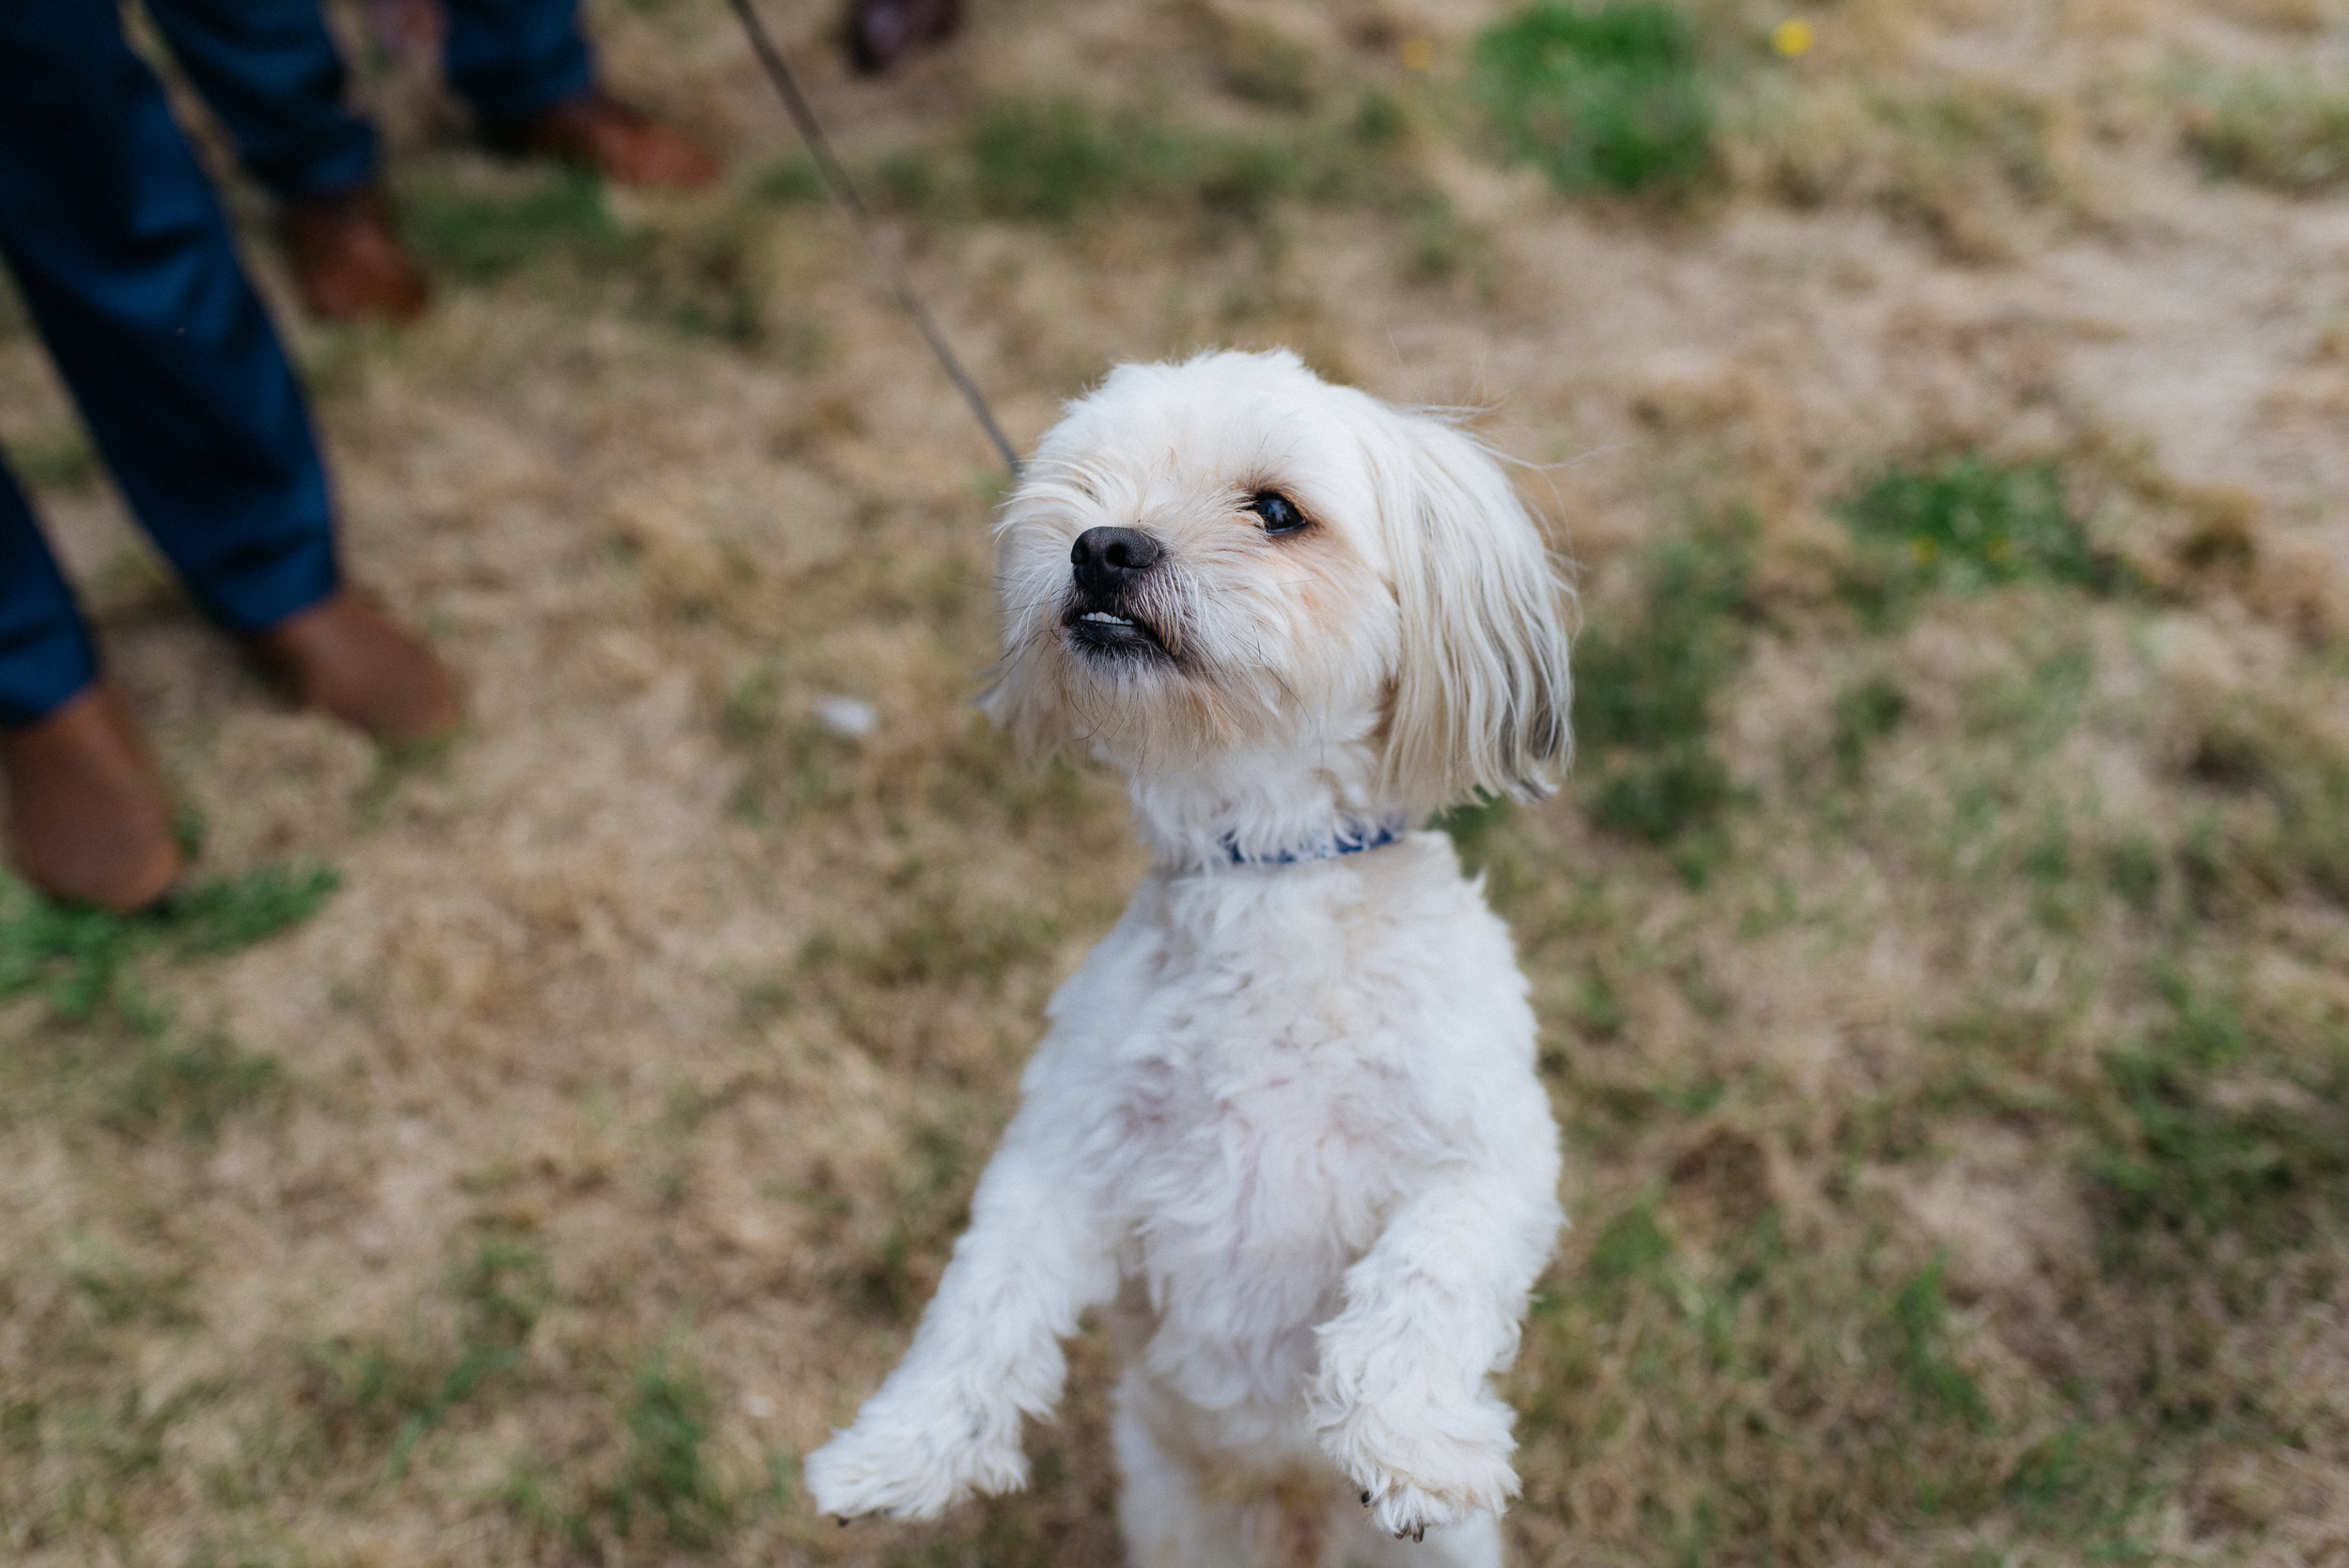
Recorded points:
(1228,662)
(1401,650)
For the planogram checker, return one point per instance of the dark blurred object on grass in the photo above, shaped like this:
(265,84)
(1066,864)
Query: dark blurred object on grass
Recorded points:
(883,32)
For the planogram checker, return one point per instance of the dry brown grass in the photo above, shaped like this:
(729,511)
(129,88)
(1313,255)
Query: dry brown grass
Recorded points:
(1953,1070)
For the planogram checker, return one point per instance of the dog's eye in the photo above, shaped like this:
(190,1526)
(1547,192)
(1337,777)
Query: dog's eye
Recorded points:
(1279,512)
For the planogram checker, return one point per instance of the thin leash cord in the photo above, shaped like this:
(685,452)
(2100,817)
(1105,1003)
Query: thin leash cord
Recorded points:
(861,219)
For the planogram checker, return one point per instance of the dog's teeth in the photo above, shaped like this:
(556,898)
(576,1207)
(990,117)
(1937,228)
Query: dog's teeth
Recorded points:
(1105,618)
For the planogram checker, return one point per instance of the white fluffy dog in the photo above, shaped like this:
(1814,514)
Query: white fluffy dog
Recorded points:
(1286,1128)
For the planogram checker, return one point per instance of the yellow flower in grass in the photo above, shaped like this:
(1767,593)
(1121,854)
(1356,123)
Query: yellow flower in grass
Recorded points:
(1418,53)
(1925,549)
(1793,38)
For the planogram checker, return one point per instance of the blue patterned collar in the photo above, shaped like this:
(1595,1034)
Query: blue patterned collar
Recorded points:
(1352,839)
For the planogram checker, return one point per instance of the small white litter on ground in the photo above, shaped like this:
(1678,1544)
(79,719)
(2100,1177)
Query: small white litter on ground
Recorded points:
(847,717)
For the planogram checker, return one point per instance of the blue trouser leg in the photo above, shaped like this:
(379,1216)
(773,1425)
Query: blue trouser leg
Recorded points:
(45,652)
(511,58)
(126,262)
(270,69)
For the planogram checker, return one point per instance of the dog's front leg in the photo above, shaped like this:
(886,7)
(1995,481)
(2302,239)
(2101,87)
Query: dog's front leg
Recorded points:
(1401,1397)
(947,1421)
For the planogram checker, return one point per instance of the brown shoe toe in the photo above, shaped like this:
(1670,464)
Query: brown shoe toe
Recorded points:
(348,262)
(347,657)
(88,817)
(617,141)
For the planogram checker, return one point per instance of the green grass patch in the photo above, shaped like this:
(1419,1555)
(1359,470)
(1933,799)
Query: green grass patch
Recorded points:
(82,1453)
(1758,1401)
(793,181)
(1645,687)
(1057,158)
(2135,869)
(1062,160)
(1602,98)
(2287,133)
(227,913)
(194,1085)
(952,939)
(1260,64)
(2086,1482)
(695,276)
(2216,1133)
(667,1476)
(1865,712)
(941,937)
(81,953)
(653,1485)
(119,1291)
(1439,243)
(1937,1385)
(930,1209)
(1631,1248)
(796,763)
(394,1396)
(1977,132)
(475,232)
(1965,524)
(2263,748)
(1596,1011)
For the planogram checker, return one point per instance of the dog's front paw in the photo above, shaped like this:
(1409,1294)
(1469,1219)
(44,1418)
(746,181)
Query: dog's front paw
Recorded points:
(1408,1512)
(909,1470)
(1430,1465)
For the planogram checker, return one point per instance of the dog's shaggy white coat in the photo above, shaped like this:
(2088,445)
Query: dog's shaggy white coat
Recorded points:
(1286,1128)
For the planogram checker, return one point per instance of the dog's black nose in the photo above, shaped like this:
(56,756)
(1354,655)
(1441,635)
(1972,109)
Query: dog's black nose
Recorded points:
(1105,559)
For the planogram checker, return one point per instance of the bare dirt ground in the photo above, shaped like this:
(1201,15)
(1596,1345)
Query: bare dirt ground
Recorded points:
(1955,1100)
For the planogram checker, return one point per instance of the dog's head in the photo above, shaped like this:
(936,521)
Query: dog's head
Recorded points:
(1231,554)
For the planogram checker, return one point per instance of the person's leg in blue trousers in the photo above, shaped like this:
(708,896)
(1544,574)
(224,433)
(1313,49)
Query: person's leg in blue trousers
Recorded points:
(45,652)
(125,260)
(510,59)
(271,70)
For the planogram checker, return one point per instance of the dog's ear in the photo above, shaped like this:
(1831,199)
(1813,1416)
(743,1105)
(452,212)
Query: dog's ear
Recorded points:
(1483,695)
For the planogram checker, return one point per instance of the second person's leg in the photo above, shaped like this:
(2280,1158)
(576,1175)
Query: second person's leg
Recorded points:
(270,69)
(512,60)
(272,72)
(526,68)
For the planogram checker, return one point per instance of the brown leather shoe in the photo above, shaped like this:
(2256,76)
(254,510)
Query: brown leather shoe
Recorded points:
(347,657)
(348,261)
(620,142)
(89,816)
(883,32)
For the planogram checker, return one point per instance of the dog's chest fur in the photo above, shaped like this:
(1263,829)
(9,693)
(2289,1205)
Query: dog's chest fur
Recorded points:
(1261,1066)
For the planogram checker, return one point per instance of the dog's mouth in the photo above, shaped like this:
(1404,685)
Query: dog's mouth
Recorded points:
(1113,629)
